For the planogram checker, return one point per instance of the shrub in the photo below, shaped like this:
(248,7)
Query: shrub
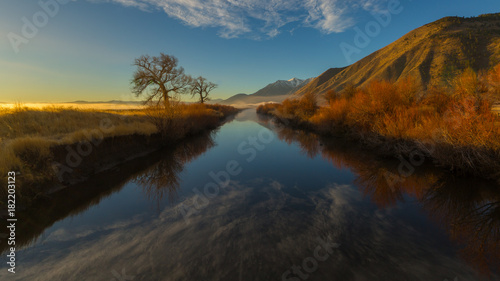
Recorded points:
(331,95)
(268,108)
(307,105)
(178,120)
(437,98)
(383,96)
(494,82)
(349,91)
(408,89)
(333,117)
(470,84)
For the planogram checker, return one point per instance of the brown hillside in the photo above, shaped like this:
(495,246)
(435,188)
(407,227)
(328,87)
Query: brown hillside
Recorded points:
(433,53)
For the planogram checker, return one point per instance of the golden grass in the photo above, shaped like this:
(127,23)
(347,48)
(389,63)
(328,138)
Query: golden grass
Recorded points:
(101,106)
(180,120)
(27,134)
(58,122)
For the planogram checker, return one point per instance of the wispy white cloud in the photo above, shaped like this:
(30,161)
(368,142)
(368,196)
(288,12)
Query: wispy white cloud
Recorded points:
(133,3)
(140,4)
(259,18)
(329,16)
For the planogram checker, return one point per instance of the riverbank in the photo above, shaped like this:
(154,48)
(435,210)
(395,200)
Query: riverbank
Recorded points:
(455,126)
(298,186)
(55,147)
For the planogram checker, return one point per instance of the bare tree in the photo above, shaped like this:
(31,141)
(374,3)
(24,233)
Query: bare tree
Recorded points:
(200,86)
(159,77)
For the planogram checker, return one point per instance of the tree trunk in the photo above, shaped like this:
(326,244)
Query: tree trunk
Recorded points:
(166,98)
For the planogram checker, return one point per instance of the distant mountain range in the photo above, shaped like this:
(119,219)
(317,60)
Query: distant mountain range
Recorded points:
(281,87)
(276,92)
(433,53)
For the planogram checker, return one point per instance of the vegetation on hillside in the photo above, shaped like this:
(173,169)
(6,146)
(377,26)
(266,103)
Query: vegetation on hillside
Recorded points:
(432,54)
(455,126)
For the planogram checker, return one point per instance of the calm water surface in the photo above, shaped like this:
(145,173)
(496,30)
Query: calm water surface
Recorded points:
(253,201)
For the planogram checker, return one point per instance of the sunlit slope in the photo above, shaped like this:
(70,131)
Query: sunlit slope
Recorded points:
(433,53)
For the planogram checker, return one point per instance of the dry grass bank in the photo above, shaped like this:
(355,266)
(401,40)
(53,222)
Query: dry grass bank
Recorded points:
(456,126)
(180,120)
(29,137)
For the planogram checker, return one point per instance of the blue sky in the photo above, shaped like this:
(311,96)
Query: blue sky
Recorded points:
(84,50)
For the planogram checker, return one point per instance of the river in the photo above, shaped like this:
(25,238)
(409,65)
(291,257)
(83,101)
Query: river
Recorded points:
(254,201)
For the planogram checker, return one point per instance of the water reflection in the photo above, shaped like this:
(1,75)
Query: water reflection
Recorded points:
(163,178)
(157,174)
(468,208)
(471,211)
(267,219)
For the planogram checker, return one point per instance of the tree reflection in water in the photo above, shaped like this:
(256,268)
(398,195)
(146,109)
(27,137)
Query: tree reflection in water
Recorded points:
(157,174)
(162,179)
(468,208)
(471,210)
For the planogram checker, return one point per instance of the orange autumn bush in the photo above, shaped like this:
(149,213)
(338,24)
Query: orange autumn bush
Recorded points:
(297,111)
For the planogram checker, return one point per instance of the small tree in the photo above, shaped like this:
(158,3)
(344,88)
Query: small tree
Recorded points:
(308,104)
(201,87)
(349,91)
(331,95)
(494,82)
(159,77)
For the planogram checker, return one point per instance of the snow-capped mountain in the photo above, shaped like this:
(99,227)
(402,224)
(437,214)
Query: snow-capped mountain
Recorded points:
(296,81)
(281,87)
(274,92)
